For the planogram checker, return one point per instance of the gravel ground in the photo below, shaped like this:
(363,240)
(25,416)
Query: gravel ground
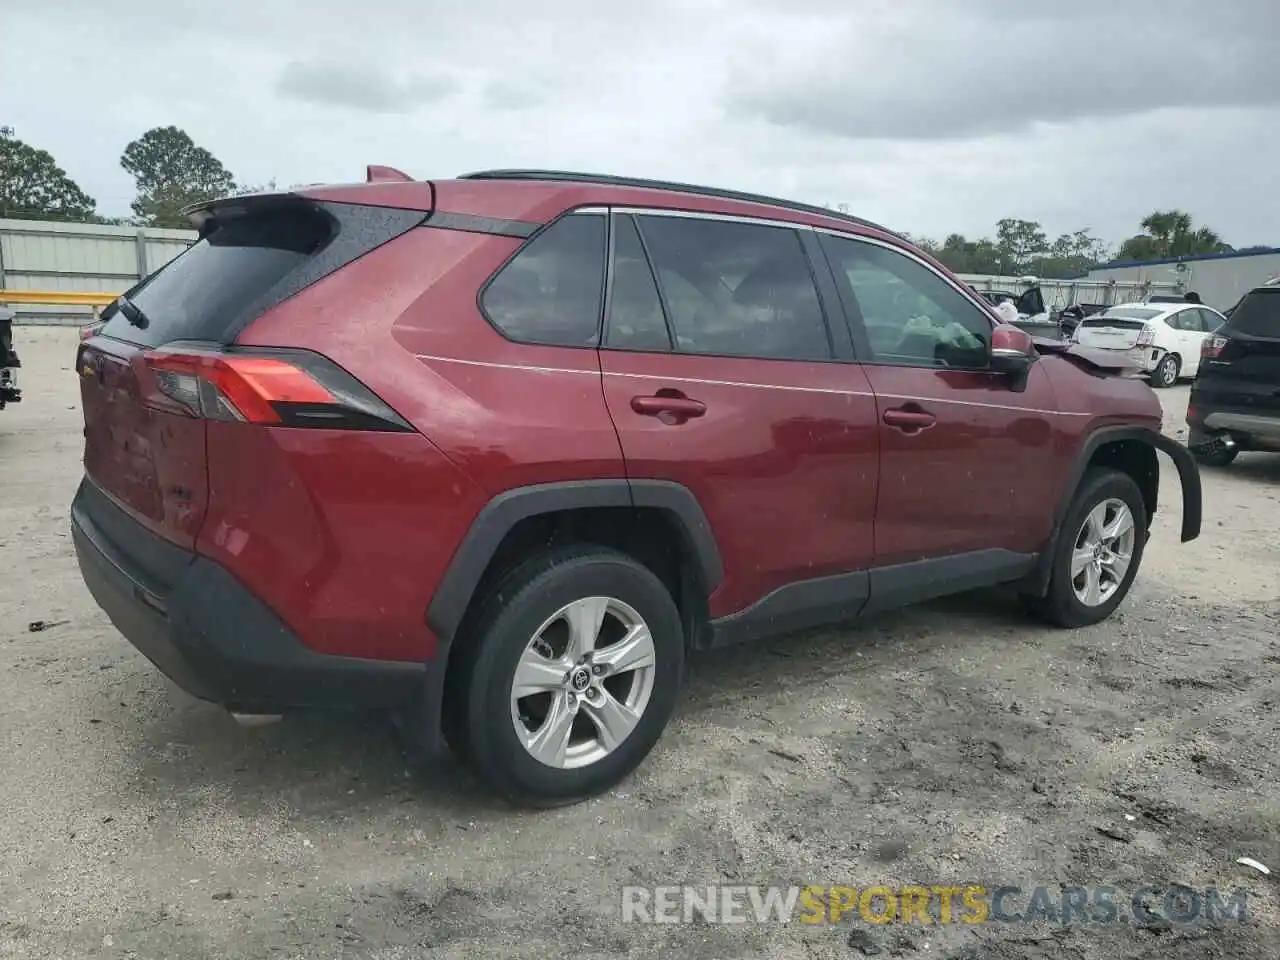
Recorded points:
(950,743)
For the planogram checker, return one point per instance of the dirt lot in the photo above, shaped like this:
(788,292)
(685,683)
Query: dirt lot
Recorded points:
(949,744)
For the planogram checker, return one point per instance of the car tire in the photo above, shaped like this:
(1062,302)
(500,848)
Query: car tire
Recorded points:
(1166,371)
(528,614)
(1069,602)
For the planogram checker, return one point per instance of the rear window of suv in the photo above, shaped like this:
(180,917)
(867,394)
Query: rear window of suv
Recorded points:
(197,295)
(1258,314)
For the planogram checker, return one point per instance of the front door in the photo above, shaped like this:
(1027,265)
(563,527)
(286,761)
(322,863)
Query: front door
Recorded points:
(968,465)
(721,374)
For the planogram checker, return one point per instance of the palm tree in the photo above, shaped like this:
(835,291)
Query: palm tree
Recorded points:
(1170,233)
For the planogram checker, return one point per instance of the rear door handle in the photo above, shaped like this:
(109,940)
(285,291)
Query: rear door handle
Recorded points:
(668,408)
(909,419)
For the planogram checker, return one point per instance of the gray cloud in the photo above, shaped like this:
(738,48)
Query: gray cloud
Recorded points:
(1069,90)
(511,93)
(359,87)
(952,71)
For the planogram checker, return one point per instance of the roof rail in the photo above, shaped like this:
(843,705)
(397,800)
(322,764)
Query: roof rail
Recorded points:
(604,179)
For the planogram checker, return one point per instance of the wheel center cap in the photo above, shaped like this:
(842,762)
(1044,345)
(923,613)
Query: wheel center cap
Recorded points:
(580,679)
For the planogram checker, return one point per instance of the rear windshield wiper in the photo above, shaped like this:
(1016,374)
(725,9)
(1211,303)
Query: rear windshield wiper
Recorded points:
(132,313)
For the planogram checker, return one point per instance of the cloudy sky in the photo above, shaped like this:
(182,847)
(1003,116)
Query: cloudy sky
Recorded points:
(930,116)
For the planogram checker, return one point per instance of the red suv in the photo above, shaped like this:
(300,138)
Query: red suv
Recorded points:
(497,452)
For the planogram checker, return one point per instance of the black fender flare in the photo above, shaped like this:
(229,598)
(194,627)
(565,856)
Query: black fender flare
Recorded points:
(1188,476)
(504,511)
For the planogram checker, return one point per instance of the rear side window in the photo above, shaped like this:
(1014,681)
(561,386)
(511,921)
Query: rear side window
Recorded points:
(736,289)
(636,318)
(550,292)
(1258,314)
(200,293)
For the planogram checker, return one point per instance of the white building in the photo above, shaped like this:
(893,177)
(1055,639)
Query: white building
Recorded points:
(1220,278)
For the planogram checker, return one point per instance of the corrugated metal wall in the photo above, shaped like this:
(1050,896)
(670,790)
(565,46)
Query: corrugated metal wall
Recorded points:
(1220,281)
(79,257)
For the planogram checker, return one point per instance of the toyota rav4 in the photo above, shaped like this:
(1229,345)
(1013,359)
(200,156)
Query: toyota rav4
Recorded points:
(496,453)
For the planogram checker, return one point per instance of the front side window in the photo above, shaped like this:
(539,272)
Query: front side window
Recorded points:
(736,289)
(550,292)
(912,316)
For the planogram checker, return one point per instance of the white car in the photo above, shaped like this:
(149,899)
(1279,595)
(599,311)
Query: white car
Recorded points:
(1162,339)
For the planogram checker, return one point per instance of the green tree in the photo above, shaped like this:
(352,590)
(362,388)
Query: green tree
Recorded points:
(1071,255)
(1019,242)
(34,187)
(1171,233)
(172,173)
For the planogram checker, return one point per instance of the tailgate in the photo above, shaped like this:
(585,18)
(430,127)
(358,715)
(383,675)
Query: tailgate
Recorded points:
(149,461)
(1241,365)
(143,448)
(1107,333)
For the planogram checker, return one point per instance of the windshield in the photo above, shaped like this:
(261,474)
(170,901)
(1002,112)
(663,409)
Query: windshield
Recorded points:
(1130,313)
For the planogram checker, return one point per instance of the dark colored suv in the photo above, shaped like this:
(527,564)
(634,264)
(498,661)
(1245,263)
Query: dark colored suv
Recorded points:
(1235,401)
(497,452)
(9,362)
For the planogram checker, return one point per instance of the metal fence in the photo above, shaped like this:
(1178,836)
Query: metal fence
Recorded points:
(1060,294)
(56,273)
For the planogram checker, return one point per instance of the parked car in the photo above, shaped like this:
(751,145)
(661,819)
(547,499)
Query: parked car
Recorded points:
(497,452)
(1070,318)
(1162,340)
(1033,315)
(1235,402)
(9,362)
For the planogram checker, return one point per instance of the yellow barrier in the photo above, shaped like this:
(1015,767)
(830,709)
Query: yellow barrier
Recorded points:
(61,298)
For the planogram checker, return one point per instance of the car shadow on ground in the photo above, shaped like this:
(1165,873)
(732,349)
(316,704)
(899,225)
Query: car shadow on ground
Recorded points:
(336,764)
(1264,467)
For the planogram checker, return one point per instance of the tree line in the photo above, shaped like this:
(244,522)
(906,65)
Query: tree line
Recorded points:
(1021,247)
(171,172)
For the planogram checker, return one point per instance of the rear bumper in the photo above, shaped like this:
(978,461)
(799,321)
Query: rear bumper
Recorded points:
(1248,428)
(1146,359)
(215,639)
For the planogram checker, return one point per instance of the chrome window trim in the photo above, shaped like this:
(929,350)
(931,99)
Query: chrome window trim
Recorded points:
(643,211)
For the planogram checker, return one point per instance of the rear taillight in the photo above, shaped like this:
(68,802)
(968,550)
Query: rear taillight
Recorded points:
(91,330)
(1147,336)
(1211,347)
(290,388)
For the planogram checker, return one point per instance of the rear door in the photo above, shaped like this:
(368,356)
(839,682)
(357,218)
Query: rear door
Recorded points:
(1187,337)
(145,450)
(722,373)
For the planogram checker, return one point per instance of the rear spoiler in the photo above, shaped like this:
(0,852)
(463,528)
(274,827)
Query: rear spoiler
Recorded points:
(204,215)
(1096,361)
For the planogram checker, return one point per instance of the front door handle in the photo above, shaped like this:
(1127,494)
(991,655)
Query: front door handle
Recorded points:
(669,409)
(909,419)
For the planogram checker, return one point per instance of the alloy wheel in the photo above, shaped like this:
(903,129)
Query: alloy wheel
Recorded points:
(1103,552)
(583,682)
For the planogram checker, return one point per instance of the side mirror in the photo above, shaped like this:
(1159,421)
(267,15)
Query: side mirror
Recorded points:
(1012,353)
